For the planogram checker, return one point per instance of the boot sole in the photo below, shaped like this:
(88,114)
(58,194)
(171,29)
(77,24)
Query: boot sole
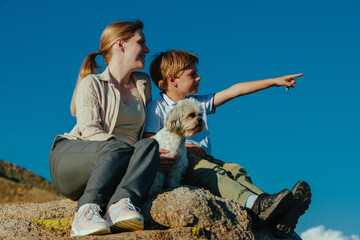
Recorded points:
(128,225)
(101,231)
(302,200)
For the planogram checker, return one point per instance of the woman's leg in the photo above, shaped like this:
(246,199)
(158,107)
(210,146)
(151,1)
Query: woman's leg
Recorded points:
(88,171)
(112,162)
(71,163)
(97,171)
(140,172)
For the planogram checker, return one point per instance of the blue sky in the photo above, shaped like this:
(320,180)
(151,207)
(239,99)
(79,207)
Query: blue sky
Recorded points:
(309,133)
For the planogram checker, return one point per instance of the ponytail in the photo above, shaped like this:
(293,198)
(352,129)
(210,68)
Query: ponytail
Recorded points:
(118,30)
(88,67)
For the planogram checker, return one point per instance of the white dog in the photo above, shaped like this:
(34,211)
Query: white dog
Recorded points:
(184,120)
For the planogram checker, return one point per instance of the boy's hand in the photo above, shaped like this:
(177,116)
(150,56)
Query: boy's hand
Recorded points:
(195,149)
(166,162)
(287,80)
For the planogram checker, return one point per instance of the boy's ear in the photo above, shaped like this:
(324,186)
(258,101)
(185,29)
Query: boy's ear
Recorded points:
(172,81)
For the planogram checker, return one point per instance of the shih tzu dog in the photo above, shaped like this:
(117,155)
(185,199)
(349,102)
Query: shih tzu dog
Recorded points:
(184,120)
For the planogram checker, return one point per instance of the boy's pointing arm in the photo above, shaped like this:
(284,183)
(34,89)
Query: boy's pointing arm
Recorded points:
(244,88)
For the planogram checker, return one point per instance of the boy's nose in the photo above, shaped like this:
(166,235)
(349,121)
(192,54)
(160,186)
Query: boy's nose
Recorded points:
(198,78)
(147,50)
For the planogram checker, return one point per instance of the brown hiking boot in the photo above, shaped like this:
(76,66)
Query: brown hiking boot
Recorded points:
(267,207)
(287,221)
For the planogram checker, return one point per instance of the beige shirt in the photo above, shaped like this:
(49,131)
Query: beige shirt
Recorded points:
(98,103)
(129,122)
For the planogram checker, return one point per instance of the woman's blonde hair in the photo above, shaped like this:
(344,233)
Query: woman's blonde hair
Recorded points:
(118,30)
(170,64)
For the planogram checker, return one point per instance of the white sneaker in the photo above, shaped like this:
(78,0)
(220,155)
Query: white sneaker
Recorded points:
(87,221)
(124,216)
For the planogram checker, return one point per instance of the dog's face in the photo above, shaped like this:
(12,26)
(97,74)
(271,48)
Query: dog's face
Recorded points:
(185,118)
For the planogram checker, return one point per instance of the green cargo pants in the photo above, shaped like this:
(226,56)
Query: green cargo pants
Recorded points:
(226,180)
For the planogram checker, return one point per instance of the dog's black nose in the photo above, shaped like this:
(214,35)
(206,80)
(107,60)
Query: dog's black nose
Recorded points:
(200,121)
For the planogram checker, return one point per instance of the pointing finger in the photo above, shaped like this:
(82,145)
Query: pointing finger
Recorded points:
(295,75)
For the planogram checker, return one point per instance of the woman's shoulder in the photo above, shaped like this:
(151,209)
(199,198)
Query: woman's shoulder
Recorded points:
(90,82)
(90,79)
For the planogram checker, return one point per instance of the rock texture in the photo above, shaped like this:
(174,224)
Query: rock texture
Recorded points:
(181,213)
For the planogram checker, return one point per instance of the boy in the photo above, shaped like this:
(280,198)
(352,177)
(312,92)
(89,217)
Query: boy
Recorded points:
(175,73)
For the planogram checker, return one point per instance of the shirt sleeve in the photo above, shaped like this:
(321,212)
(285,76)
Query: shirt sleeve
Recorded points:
(88,112)
(207,101)
(154,120)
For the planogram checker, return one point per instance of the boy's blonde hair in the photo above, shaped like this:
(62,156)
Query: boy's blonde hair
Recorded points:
(170,64)
(123,30)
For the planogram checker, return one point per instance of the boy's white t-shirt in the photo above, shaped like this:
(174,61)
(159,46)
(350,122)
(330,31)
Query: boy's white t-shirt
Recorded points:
(158,109)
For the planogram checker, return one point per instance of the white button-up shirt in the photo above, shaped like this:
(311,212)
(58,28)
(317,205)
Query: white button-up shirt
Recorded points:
(158,109)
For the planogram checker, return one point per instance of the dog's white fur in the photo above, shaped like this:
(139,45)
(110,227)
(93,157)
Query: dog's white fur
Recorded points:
(184,120)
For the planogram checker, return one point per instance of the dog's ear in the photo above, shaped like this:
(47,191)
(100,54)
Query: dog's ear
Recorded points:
(174,125)
(172,121)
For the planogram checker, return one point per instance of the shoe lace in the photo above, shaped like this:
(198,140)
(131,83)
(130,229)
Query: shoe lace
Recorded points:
(91,212)
(265,202)
(128,204)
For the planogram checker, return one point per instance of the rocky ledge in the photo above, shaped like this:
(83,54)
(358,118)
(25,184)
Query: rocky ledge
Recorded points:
(181,213)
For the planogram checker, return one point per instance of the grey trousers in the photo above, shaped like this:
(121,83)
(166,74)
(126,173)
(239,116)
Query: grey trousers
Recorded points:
(103,172)
(226,180)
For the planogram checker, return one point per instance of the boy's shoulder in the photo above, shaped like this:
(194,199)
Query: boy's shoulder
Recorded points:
(201,97)
(156,106)
(156,102)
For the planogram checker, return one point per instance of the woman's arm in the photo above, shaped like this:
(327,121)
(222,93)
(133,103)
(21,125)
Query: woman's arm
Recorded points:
(88,115)
(244,88)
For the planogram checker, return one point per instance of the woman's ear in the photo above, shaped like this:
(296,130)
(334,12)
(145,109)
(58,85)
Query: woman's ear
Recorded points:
(120,44)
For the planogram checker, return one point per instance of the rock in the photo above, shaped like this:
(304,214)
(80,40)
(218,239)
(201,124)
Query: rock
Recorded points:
(180,213)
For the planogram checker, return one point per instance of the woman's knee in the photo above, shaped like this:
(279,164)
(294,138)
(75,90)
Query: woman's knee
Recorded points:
(147,150)
(148,142)
(118,144)
(116,147)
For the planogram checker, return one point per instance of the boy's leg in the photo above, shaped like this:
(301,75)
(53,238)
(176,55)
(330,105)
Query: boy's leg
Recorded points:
(208,174)
(238,173)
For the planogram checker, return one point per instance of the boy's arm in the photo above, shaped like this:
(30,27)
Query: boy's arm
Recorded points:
(244,88)
(191,148)
(148,135)
(166,163)
(195,149)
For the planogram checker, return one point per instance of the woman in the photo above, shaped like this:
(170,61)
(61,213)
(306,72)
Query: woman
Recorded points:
(102,163)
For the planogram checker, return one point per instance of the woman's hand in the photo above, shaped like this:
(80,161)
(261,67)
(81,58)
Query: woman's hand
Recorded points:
(287,80)
(195,149)
(166,162)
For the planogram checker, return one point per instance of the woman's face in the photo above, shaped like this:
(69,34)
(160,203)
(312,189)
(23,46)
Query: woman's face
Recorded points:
(135,50)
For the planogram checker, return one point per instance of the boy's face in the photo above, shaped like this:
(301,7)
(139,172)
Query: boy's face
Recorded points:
(188,82)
